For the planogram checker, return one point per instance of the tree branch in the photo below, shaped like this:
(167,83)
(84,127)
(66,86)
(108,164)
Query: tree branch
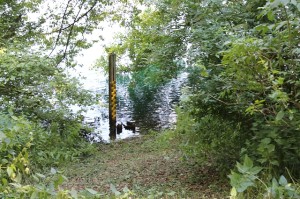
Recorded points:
(77,19)
(71,27)
(61,25)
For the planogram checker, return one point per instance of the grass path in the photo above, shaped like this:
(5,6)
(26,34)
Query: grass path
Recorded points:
(147,167)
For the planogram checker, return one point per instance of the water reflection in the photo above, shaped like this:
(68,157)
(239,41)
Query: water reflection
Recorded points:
(150,110)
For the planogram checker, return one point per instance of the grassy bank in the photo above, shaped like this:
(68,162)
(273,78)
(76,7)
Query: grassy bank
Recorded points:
(149,166)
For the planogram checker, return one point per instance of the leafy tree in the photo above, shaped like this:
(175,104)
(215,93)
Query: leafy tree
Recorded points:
(152,40)
(35,53)
(38,128)
(13,23)
(243,57)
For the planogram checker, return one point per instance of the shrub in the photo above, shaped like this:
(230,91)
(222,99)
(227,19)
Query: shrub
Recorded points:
(210,139)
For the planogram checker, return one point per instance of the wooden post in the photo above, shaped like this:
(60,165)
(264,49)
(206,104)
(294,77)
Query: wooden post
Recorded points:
(112,97)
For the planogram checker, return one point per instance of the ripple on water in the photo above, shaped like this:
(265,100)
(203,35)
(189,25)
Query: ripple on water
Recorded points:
(154,114)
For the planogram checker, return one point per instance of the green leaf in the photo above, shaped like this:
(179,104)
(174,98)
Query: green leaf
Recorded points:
(14,117)
(270,16)
(35,178)
(4,181)
(204,73)
(274,183)
(91,191)
(248,162)
(285,2)
(114,190)
(10,170)
(34,195)
(282,181)
(126,190)
(266,141)
(235,178)
(244,185)
(40,175)
(74,193)
(59,181)
(2,136)
(16,185)
(53,171)
(274,162)
(255,170)
(279,115)
(172,193)
(241,168)
(280,81)
(18,178)
(233,192)
(262,28)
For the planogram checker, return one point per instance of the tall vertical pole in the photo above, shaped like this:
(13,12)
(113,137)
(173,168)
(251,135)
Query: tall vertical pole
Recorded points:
(112,96)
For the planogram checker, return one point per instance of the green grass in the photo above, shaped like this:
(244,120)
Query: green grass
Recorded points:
(148,166)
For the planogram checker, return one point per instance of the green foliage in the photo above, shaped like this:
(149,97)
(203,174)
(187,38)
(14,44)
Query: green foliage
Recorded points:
(38,128)
(246,183)
(25,148)
(33,84)
(13,21)
(204,139)
(244,93)
(47,186)
(267,68)
(15,141)
(243,57)
(246,176)
(144,85)
(148,45)
(148,79)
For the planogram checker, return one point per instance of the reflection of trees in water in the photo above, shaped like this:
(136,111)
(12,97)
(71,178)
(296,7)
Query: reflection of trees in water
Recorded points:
(153,108)
(143,107)
(149,107)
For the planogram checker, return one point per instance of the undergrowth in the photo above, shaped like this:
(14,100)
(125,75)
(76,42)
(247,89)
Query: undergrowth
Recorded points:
(27,151)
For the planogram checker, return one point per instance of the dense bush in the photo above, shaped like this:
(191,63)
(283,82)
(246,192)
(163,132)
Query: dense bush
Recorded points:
(16,136)
(27,149)
(256,87)
(244,94)
(243,102)
(210,140)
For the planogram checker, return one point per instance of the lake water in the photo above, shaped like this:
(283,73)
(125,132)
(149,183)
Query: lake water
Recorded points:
(154,111)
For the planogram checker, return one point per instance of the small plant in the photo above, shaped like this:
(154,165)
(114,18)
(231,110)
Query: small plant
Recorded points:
(245,177)
(205,139)
(246,183)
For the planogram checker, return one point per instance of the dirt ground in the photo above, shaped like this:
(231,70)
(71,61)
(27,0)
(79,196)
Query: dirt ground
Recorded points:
(146,167)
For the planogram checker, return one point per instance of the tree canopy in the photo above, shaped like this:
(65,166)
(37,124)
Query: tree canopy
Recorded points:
(243,58)
(242,103)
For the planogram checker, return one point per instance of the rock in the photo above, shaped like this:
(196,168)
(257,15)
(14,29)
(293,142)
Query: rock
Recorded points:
(129,126)
(119,128)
